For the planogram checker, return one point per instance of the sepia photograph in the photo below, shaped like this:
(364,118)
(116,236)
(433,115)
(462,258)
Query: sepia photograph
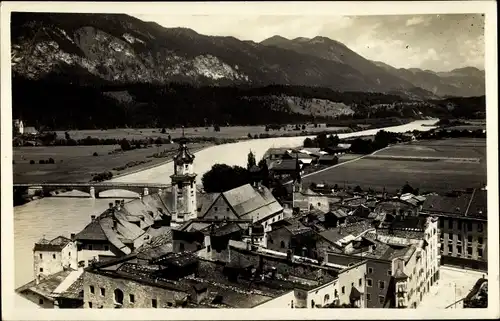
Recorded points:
(159,159)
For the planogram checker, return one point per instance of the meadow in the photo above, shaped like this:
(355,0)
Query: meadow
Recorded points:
(77,163)
(235,132)
(432,166)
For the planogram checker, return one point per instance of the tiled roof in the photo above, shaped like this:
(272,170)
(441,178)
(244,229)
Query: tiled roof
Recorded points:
(336,234)
(250,203)
(46,285)
(92,232)
(205,200)
(283,165)
(156,247)
(54,245)
(225,229)
(447,205)
(478,207)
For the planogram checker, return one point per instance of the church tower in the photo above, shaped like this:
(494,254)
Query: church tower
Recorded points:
(183,185)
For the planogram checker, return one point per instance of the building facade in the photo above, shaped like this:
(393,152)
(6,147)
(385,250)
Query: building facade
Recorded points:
(463,229)
(54,256)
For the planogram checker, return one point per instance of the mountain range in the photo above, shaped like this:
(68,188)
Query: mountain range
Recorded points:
(119,49)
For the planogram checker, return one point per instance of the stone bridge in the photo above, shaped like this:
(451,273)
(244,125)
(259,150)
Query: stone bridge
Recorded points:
(93,189)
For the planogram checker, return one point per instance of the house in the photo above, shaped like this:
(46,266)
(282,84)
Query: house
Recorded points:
(304,159)
(462,227)
(337,150)
(395,207)
(50,257)
(17,127)
(247,202)
(275,153)
(328,160)
(284,169)
(62,289)
(30,131)
(401,267)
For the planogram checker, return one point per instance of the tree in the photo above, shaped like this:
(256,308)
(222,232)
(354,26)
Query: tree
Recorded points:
(163,131)
(223,177)
(308,142)
(303,127)
(264,173)
(250,160)
(333,140)
(216,128)
(358,189)
(66,135)
(125,145)
(407,189)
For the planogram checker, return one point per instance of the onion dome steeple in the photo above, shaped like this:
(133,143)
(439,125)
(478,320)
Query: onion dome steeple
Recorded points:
(183,155)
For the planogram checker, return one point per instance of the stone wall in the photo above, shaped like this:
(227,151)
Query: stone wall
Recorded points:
(142,294)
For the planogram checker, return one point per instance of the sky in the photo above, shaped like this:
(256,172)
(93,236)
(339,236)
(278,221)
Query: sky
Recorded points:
(435,42)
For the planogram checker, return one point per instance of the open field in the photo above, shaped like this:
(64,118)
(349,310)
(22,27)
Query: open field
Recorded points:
(225,132)
(77,163)
(453,285)
(438,166)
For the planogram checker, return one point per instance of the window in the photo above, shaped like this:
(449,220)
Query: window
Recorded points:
(274,219)
(479,227)
(360,282)
(479,252)
(41,269)
(282,244)
(369,282)
(227,209)
(469,238)
(91,289)
(441,223)
(459,225)
(106,248)
(459,250)
(90,305)
(181,246)
(69,254)
(215,217)
(370,270)
(389,272)
(208,248)
(131,298)
(450,224)
(469,251)
(154,303)
(215,208)
(343,290)
(368,297)
(103,291)
(480,240)
(469,226)
(53,256)
(41,255)
(450,249)
(381,299)
(352,284)
(327,298)
(381,285)
(40,301)
(118,296)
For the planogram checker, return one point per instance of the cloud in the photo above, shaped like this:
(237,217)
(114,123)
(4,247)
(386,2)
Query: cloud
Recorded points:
(414,21)
(403,41)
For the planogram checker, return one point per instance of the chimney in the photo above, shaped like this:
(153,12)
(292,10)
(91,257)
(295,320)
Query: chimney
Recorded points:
(122,203)
(73,235)
(117,205)
(37,279)
(110,206)
(92,218)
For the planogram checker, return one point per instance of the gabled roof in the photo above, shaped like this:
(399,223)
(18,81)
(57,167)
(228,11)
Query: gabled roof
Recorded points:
(92,232)
(47,285)
(250,203)
(283,165)
(54,245)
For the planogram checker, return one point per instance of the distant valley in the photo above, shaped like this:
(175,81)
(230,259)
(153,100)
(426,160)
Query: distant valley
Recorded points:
(102,70)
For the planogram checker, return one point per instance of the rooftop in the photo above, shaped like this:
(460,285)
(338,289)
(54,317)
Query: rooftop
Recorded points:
(46,285)
(252,203)
(463,204)
(54,245)
(337,234)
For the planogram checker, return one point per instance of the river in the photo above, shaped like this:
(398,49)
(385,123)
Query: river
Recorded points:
(51,217)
